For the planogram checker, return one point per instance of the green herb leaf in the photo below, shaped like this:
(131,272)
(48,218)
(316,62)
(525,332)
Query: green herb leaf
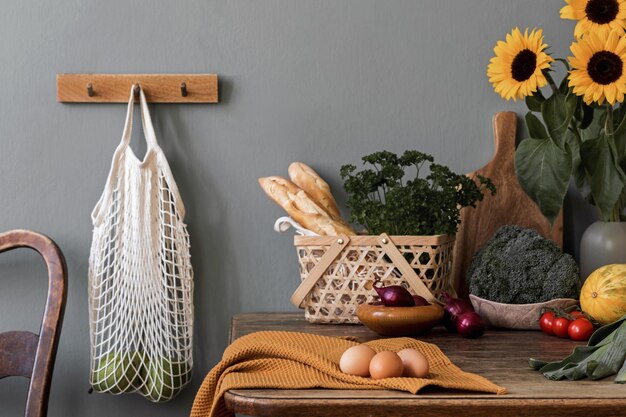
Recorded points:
(392,198)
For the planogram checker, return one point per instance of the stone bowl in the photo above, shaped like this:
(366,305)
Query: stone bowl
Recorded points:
(515,316)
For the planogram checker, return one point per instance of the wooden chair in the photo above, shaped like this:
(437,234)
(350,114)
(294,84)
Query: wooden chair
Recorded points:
(24,353)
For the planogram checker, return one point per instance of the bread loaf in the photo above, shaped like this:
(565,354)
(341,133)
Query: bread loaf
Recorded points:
(301,207)
(306,178)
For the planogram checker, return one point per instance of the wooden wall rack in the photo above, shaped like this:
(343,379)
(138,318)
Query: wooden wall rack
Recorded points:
(158,88)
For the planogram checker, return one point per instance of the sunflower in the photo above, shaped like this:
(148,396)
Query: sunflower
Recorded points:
(594,14)
(516,70)
(599,67)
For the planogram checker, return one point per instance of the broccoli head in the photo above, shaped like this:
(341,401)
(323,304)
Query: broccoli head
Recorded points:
(519,266)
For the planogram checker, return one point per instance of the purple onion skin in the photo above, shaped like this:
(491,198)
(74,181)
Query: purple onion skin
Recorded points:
(453,309)
(420,301)
(395,296)
(470,325)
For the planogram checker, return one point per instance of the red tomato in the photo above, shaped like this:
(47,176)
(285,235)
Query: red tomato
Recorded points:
(576,314)
(545,322)
(580,329)
(560,326)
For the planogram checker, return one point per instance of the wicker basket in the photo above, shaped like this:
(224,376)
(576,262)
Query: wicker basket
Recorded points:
(338,272)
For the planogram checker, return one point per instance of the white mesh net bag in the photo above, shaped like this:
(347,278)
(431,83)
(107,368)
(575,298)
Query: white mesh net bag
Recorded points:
(140,276)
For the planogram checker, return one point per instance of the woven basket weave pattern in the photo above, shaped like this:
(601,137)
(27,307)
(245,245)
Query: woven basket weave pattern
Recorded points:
(350,279)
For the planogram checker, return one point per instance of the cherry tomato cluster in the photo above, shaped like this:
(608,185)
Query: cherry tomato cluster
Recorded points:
(574,325)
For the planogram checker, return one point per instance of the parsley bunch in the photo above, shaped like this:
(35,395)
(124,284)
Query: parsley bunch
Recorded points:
(383,200)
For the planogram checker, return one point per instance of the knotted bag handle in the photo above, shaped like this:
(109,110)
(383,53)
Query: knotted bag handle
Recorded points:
(335,249)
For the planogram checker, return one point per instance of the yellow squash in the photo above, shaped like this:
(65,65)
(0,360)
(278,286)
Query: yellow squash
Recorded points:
(603,295)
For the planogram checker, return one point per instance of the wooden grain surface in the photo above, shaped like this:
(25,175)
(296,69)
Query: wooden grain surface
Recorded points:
(510,205)
(158,88)
(25,353)
(501,356)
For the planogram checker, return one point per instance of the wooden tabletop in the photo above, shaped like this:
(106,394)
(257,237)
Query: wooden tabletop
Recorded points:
(501,356)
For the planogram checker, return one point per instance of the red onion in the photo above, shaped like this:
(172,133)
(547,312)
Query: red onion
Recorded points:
(453,309)
(420,301)
(395,296)
(470,325)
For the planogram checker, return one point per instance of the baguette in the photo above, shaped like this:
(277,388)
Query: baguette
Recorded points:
(301,207)
(306,178)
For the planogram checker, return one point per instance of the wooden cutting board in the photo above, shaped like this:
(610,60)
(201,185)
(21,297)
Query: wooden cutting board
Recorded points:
(510,205)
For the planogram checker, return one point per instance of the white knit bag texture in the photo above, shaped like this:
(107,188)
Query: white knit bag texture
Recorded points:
(140,275)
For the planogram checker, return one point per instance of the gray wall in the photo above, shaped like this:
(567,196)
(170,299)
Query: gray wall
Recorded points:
(324,82)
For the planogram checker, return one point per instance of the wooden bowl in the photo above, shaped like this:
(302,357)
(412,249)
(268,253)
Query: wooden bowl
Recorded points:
(515,316)
(399,321)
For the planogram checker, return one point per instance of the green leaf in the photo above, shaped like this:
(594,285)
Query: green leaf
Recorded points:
(563,87)
(389,195)
(621,375)
(619,136)
(578,169)
(534,102)
(606,176)
(557,112)
(536,129)
(604,355)
(604,334)
(543,170)
(587,115)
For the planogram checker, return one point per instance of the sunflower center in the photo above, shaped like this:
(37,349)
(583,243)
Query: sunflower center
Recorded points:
(602,11)
(524,65)
(605,67)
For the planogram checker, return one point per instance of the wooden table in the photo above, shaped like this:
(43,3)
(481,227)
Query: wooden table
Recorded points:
(501,356)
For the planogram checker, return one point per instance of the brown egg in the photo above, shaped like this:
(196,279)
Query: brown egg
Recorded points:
(386,365)
(415,363)
(356,360)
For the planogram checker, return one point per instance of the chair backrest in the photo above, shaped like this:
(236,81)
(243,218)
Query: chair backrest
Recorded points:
(24,353)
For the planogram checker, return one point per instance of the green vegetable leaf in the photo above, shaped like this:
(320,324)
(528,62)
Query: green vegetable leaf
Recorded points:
(543,170)
(621,375)
(613,359)
(605,334)
(578,370)
(536,364)
(557,112)
(607,179)
(604,355)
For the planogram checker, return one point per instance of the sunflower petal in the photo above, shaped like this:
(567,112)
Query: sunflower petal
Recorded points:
(500,71)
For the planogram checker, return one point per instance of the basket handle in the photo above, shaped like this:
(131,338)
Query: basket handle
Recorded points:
(407,272)
(318,270)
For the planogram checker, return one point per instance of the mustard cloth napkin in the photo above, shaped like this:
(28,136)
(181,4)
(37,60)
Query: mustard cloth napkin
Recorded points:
(291,360)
